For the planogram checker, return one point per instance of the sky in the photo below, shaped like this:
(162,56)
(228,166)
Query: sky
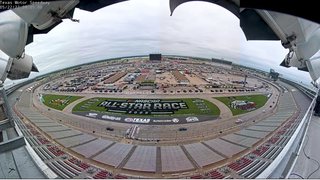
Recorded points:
(140,27)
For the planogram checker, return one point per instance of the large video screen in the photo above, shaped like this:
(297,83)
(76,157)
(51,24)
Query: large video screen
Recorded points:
(155,57)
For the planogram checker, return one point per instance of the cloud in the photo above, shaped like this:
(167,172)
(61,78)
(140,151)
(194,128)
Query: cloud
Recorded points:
(138,27)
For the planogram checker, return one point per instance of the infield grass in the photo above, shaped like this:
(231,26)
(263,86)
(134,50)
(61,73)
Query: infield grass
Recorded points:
(260,101)
(193,109)
(58,102)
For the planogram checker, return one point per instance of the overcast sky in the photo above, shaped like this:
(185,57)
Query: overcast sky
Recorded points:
(139,27)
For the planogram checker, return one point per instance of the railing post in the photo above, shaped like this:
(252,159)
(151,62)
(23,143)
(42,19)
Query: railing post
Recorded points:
(6,106)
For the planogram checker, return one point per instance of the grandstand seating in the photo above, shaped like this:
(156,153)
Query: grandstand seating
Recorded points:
(64,170)
(255,170)
(197,177)
(275,154)
(245,167)
(249,167)
(69,168)
(58,171)
(32,141)
(215,175)
(28,126)
(73,165)
(40,154)
(259,151)
(47,152)
(240,164)
(267,152)
(43,140)
(55,150)
(118,176)
(273,140)
(281,132)
(77,162)
(102,175)
(34,132)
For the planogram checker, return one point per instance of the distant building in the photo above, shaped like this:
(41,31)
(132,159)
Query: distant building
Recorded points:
(131,77)
(155,57)
(273,74)
(147,86)
(221,61)
(179,58)
(243,105)
(144,71)
(114,78)
(146,81)
(140,78)
(180,78)
(151,76)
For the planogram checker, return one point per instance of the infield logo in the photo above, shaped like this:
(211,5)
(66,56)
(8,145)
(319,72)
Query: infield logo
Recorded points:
(93,115)
(137,120)
(112,118)
(192,119)
(144,106)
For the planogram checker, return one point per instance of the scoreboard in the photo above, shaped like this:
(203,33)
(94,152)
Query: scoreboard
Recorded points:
(155,57)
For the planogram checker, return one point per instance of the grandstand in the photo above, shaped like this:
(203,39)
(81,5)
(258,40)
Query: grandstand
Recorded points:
(115,77)
(180,78)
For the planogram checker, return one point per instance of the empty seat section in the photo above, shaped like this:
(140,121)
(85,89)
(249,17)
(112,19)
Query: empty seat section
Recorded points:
(142,159)
(91,148)
(173,159)
(202,154)
(114,155)
(75,140)
(224,147)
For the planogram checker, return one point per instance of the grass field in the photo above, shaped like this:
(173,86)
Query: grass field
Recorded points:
(260,100)
(58,102)
(92,105)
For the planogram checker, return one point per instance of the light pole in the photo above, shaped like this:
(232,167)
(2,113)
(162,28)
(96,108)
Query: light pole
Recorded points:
(245,80)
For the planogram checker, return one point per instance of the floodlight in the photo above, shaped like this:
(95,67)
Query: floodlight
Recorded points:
(14,33)
(16,68)
(314,66)
(43,15)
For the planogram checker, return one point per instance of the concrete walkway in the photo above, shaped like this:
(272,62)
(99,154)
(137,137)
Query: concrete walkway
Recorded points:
(69,108)
(225,112)
(308,163)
